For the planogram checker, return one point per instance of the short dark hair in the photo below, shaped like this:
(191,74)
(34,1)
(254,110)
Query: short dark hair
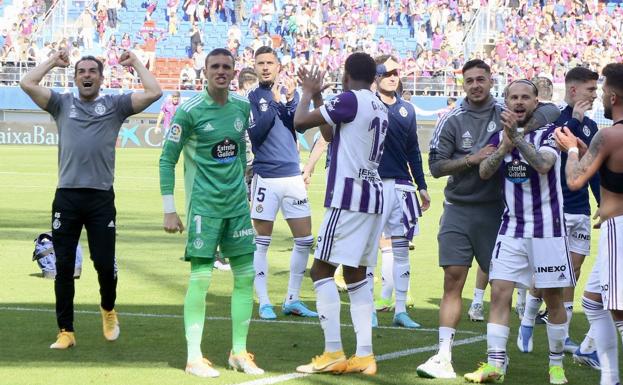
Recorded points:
(613,73)
(246,75)
(100,65)
(264,49)
(220,51)
(476,63)
(450,100)
(360,66)
(580,74)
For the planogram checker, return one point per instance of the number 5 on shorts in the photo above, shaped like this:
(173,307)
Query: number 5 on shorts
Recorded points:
(260,196)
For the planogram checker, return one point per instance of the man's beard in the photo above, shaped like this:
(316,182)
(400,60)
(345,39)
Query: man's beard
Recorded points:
(608,112)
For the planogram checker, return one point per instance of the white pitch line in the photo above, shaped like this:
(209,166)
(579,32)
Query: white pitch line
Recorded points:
(381,357)
(152,315)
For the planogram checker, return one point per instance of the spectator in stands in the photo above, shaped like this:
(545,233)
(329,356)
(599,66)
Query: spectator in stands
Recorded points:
(150,47)
(196,39)
(126,42)
(187,78)
(111,12)
(86,28)
(199,58)
(190,7)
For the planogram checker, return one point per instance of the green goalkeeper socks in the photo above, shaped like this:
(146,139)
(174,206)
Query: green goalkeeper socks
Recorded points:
(195,305)
(241,300)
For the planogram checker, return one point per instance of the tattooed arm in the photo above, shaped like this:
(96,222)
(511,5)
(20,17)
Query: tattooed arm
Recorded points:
(439,168)
(491,165)
(541,161)
(579,170)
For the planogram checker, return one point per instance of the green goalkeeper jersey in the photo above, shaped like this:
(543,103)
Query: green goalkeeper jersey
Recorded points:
(212,138)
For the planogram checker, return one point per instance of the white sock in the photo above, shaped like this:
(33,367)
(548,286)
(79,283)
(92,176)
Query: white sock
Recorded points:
(260,264)
(478,295)
(370,279)
(328,307)
(521,296)
(605,335)
(387,263)
(497,338)
(588,343)
(446,337)
(298,264)
(532,309)
(361,308)
(401,272)
(556,340)
(619,326)
(569,309)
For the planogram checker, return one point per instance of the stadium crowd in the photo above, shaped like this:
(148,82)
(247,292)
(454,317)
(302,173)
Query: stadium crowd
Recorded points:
(543,38)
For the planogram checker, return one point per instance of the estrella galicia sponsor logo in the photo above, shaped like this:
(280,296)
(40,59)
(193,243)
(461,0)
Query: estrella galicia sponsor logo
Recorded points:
(225,151)
(517,171)
(550,269)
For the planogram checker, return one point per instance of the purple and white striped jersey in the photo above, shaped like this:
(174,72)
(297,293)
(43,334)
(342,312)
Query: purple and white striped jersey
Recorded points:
(359,121)
(533,202)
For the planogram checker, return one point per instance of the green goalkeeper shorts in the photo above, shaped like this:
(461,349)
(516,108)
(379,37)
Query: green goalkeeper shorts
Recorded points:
(233,236)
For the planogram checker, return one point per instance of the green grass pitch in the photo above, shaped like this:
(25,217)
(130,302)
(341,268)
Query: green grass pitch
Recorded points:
(152,284)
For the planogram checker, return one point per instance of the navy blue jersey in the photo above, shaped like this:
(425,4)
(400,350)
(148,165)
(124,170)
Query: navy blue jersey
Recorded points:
(576,202)
(273,139)
(401,154)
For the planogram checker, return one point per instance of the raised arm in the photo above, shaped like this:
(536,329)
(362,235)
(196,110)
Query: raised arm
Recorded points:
(261,121)
(541,161)
(30,82)
(312,85)
(151,88)
(579,170)
(491,165)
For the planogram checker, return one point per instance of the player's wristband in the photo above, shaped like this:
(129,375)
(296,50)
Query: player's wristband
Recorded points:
(573,150)
(168,204)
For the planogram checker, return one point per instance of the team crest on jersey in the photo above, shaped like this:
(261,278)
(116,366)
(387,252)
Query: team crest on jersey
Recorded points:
(238,124)
(263,105)
(198,243)
(175,133)
(586,131)
(491,126)
(468,141)
(259,208)
(225,151)
(100,109)
(403,112)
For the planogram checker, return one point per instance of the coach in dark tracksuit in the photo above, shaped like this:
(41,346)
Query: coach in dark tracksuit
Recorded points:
(88,126)
(472,207)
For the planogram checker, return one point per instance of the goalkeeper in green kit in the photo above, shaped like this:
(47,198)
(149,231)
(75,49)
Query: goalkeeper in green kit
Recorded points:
(209,128)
